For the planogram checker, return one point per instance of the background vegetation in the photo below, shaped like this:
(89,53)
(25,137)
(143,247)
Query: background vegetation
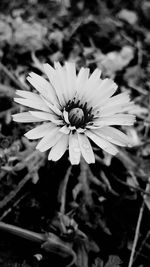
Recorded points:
(95,210)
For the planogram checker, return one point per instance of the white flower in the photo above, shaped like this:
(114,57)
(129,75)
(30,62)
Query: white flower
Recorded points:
(73,109)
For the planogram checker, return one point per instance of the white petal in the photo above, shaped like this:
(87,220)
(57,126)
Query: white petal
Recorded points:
(95,75)
(43,87)
(65,114)
(37,103)
(50,139)
(26,94)
(62,75)
(53,107)
(125,108)
(39,131)
(113,135)
(93,81)
(115,104)
(72,128)
(117,119)
(65,129)
(104,144)
(82,78)
(71,79)
(81,130)
(113,110)
(59,149)
(91,85)
(55,82)
(74,149)
(118,99)
(105,90)
(45,116)
(130,108)
(25,117)
(86,149)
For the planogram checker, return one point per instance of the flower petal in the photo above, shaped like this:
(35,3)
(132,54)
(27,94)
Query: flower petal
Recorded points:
(50,139)
(52,107)
(38,103)
(74,149)
(59,149)
(130,108)
(86,149)
(82,78)
(71,79)
(25,117)
(45,116)
(90,86)
(118,99)
(26,94)
(95,75)
(104,144)
(43,87)
(113,135)
(93,81)
(65,129)
(65,114)
(105,90)
(55,82)
(113,110)
(39,131)
(117,119)
(115,104)
(62,75)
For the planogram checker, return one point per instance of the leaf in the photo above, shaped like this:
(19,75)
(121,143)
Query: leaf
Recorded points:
(28,36)
(128,16)
(98,263)
(116,61)
(5,33)
(82,255)
(113,261)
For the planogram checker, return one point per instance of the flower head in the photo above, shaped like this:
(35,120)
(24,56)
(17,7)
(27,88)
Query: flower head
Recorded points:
(74,109)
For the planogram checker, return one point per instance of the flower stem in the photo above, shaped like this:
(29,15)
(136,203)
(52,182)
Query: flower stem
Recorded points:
(84,181)
(136,234)
(62,191)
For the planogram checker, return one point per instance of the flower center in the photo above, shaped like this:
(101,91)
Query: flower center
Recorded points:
(76,117)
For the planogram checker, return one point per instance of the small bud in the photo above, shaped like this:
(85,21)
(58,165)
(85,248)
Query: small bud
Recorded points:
(76,117)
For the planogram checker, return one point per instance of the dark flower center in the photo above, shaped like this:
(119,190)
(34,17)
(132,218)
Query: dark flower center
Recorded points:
(79,114)
(76,117)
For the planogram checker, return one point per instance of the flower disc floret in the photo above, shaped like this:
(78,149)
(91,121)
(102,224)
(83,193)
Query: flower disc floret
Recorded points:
(74,109)
(76,117)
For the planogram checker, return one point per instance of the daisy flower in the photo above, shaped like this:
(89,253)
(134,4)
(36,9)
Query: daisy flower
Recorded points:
(74,109)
